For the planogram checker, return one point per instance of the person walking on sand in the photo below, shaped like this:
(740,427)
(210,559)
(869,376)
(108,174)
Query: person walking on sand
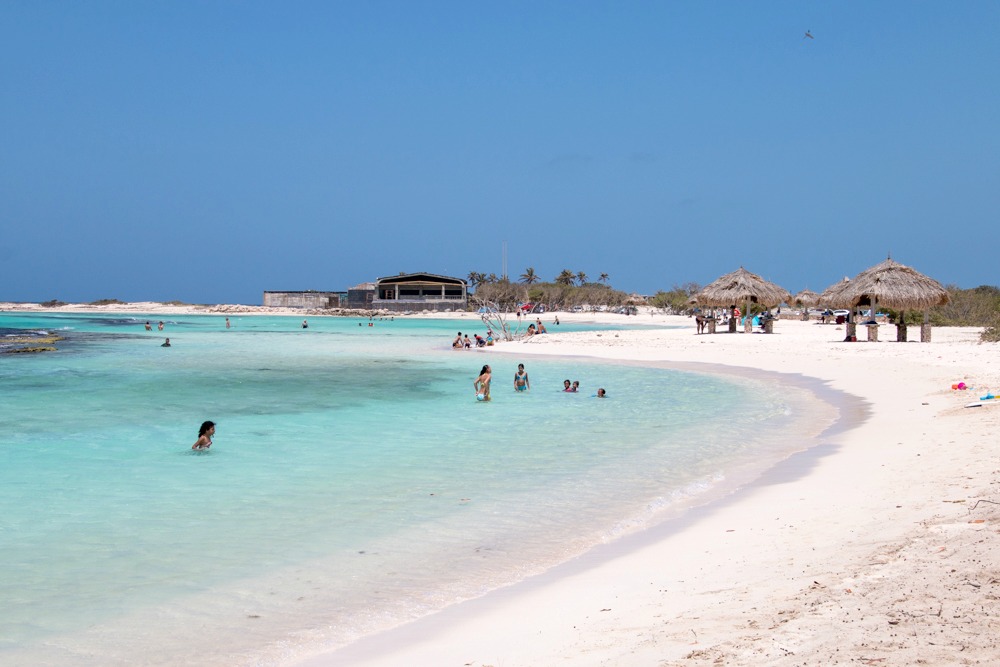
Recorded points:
(521,382)
(482,384)
(205,434)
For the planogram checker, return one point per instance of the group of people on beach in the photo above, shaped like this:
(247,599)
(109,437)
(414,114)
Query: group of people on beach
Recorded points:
(481,384)
(463,342)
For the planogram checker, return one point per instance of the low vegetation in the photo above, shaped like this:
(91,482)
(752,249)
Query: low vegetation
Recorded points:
(567,291)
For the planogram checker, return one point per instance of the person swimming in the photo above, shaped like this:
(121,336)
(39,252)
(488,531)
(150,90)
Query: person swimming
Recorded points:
(205,434)
(601,393)
(521,382)
(567,385)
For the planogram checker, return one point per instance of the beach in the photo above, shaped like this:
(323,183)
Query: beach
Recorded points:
(874,544)
(877,545)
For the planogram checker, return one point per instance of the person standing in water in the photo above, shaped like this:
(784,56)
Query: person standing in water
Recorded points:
(205,434)
(482,383)
(521,382)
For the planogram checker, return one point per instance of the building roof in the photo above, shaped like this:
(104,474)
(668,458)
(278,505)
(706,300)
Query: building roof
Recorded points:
(421,278)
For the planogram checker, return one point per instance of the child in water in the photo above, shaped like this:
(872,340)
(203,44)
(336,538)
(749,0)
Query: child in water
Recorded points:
(521,382)
(205,434)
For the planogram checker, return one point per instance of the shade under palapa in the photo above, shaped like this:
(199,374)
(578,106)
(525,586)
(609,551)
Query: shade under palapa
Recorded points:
(740,287)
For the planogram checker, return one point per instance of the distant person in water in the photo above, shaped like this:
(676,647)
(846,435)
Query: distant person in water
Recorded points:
(457,343)
(227,322)
(149,327)
(482,383)
(166,343)
(521,382)
(576,386)
(601,393)
(160,326)
(305,324)
(567,385)
(205,434)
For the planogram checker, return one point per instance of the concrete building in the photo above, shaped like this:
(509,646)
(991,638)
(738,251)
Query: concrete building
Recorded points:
(306,299)
(360,296)
(420,292)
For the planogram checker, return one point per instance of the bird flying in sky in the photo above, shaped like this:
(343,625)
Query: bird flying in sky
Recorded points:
(809,35)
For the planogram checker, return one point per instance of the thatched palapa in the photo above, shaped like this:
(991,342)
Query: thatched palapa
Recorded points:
(894,285)
(836,296)
(804,298)
(740,287)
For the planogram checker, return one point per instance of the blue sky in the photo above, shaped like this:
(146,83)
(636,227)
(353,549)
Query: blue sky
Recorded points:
(208,151)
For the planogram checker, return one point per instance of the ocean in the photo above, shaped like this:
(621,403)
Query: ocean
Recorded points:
(354,482)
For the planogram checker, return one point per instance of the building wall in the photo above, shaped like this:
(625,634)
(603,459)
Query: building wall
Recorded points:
(360,298)
(302,299)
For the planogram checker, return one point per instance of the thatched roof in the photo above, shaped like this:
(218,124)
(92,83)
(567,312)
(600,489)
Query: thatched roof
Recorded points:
(835,296)
(896,286)
(805,298)
(739,287)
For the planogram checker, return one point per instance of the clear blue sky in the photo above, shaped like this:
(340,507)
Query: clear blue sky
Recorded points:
(207,151)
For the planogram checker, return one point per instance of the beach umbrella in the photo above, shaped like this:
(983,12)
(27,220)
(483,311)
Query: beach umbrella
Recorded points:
(899,287)
(742,287)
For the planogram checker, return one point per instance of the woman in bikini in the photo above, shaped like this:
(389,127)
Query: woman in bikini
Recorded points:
(521,382)
(482,383)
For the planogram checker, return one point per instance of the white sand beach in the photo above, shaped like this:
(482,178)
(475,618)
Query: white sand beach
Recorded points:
(877,545)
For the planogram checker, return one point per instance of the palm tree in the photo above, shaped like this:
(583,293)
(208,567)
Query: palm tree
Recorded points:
(567,277)
(475,278)
(604,278)
(529,277)
(581,278)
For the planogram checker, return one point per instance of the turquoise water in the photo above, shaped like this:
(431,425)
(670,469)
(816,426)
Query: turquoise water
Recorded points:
(354,481)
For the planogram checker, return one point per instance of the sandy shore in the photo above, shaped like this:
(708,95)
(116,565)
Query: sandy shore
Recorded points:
(876,546)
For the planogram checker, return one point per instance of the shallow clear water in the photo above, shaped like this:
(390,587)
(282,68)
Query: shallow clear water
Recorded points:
(354,481)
